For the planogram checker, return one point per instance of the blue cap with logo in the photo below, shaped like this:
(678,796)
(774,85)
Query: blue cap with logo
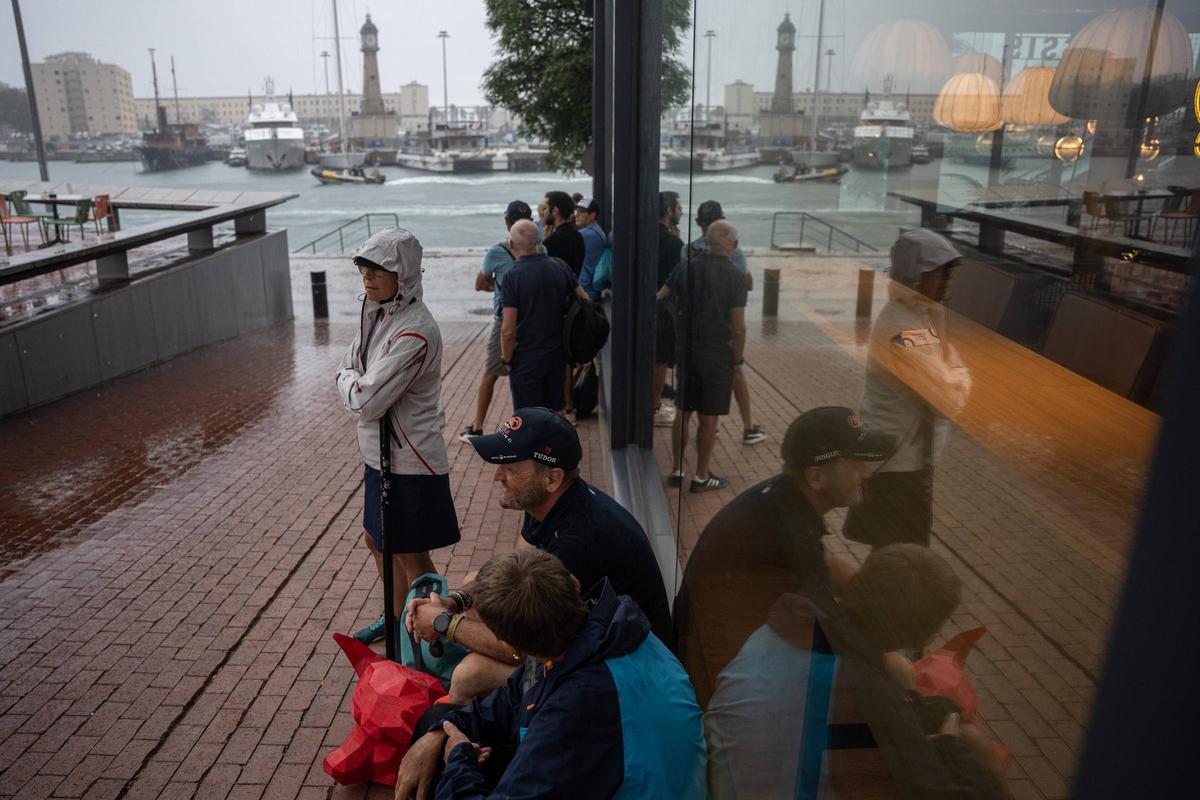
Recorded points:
(536,434)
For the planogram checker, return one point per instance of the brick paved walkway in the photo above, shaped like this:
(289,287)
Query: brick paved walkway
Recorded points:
(1041,555)
(177,547)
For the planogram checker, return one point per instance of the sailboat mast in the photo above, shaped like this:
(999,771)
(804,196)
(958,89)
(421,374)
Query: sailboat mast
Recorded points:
(175,91)
(337,50)
(817,78)
(154,73)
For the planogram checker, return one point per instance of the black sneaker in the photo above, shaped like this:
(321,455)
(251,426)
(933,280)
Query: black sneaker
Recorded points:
(709,484)
(468,434)
(372,633)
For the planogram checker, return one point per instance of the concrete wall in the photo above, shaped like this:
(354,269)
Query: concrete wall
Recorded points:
(241,288)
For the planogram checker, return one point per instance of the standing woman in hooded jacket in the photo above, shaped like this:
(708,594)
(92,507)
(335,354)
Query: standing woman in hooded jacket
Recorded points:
(394,367)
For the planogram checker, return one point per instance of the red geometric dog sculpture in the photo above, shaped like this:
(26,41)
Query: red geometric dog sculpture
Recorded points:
(387,703)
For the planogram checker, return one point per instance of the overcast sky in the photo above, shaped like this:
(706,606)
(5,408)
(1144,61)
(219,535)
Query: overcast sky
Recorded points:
(224,47)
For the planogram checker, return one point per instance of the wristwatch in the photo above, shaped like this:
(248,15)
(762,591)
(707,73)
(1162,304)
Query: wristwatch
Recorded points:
(441,623)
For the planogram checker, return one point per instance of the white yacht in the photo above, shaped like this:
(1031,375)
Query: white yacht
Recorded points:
(883,138)
(274,140)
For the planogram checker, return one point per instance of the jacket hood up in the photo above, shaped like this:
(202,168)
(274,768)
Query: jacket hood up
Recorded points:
(398,251)
(919,251)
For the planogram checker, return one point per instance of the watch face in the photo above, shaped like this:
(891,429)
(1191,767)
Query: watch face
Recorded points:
(441,623)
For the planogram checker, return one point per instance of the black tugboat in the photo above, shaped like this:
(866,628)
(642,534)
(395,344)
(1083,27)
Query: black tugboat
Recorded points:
(170,146)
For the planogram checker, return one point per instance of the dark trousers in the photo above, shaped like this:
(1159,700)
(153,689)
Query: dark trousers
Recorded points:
(538,382)
(896,507)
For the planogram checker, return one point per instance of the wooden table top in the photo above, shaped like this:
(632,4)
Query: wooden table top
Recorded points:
(1039,417)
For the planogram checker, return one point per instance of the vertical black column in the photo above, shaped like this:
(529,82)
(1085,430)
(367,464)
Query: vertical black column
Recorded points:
(636,55)
(601,85)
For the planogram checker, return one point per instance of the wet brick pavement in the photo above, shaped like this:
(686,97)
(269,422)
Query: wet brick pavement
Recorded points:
(177,547)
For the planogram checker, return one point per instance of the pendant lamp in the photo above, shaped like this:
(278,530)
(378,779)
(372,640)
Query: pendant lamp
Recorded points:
(969,103)
(1026,99)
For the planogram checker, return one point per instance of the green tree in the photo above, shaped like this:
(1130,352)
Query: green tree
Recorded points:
(543,72)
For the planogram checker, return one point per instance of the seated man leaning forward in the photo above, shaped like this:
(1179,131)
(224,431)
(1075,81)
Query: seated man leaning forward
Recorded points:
(611,712)
(536,453)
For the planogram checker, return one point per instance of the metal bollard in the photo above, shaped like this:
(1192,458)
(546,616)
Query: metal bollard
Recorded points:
(866,293)
(319,296)
(770,293)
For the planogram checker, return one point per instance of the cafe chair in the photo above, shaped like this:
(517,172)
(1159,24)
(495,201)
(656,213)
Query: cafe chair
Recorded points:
(1093,209)
(82,210)
(1189,217)
(9,220)
(1115,213)
(21,206)
(101,211)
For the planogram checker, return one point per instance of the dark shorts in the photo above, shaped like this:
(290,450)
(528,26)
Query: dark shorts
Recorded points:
(896,507)
(421,513)
(539,382)
(708,383)
(664,336)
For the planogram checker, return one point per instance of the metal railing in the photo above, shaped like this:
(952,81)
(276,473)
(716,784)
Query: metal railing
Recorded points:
(350,234)
(818,232)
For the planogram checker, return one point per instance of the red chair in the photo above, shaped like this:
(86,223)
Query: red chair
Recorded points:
(8,221)
(1188,217)
(101,211)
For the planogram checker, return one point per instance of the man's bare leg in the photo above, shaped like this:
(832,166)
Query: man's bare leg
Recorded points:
(660,382)
(741,394)
(477,675)
(706,439)
(679,436)
(487,387)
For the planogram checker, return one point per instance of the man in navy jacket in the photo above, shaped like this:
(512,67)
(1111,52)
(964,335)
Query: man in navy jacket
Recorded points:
(600,709)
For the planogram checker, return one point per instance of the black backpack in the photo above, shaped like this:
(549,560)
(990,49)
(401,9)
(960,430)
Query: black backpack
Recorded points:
(585,326)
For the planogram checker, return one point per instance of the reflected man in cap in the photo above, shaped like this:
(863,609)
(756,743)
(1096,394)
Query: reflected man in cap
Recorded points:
(537,455)
(710,211)
(767,541)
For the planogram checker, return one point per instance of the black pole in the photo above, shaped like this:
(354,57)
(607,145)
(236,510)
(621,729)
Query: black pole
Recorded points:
(599,111)
(385,485)
(320,297)
(34,119)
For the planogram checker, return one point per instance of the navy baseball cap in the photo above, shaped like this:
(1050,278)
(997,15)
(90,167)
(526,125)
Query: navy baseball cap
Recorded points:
(537,434)
(518,210)
(822,434)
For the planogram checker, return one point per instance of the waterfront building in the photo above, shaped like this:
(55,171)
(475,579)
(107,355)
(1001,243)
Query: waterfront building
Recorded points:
(76,94)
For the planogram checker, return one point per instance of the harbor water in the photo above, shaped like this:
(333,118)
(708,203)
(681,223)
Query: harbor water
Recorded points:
(454,211)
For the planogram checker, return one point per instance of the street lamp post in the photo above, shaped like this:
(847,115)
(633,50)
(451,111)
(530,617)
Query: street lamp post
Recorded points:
(325,58)
(445,86)
(710,35)
(35,121)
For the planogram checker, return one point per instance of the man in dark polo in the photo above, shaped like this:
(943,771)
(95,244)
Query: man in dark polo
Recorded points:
(710,301)
(767,541)
(537,454)
(533,301)
(565,241)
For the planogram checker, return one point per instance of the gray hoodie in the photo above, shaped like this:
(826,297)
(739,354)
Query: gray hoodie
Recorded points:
(401,372)
(911,392)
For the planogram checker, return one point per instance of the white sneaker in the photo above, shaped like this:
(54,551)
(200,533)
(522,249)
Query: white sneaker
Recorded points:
(664,416)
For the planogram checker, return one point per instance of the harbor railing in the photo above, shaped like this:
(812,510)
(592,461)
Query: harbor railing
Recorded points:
(350,234)
(812,233)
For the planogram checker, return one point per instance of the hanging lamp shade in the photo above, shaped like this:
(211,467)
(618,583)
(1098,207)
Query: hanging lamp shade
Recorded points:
(1026,99)
(969,103)
(979,62)
(1101,72)
(912,54)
